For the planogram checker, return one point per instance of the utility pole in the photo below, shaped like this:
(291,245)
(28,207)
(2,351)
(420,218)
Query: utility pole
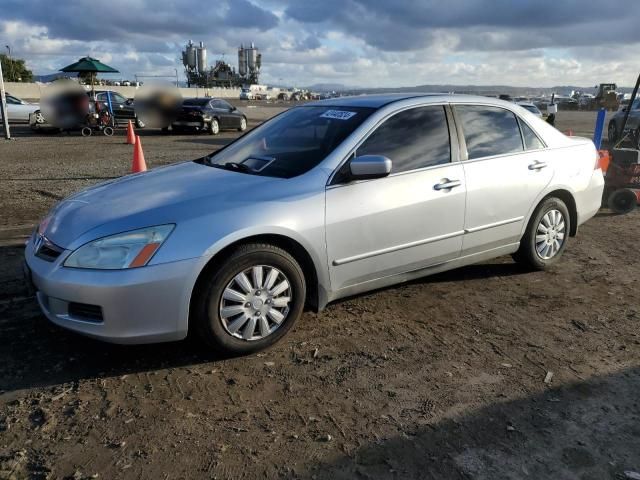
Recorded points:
(3,107)
(10,63)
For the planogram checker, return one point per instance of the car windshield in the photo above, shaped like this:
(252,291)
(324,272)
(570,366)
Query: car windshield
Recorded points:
(292,143)
(199,102)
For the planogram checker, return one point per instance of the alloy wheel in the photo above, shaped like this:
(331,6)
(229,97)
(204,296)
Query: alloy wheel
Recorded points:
(550,234)
(255,302)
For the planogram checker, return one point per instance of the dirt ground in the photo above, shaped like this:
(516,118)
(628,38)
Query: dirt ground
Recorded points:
(438,378)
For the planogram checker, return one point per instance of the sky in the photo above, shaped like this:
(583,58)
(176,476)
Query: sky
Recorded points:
(357,43)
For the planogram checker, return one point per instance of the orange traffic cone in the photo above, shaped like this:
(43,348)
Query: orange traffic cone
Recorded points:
(138,165)
(131,136)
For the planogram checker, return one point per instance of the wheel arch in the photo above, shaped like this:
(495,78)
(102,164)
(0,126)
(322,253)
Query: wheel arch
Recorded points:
(567,197)
(293,247)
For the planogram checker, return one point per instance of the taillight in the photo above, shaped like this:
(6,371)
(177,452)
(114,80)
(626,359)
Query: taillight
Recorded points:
(602,161)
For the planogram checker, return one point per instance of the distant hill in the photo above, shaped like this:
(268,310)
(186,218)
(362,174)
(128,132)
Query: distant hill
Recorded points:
(328,87)
(53,76)
(470,89)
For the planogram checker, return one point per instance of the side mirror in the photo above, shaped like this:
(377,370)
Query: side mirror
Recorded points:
(369,166)
(129,101)
(232,109)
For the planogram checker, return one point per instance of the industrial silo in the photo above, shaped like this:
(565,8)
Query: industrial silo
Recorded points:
(201,57)
(242,61)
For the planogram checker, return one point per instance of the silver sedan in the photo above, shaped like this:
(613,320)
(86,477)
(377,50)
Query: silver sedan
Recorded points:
(326,200)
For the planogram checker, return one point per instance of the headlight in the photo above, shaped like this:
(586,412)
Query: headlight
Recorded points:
(124,250)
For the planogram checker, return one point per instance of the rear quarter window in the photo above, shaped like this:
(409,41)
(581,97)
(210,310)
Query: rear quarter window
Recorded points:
(489,131)
(531,140)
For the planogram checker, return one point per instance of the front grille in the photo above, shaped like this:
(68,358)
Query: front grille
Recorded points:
(45,249)
(84,311)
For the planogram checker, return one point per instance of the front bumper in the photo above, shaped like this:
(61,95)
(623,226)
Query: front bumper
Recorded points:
(139,305)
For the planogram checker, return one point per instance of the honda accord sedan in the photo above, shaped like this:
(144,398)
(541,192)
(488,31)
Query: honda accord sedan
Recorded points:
(328,199)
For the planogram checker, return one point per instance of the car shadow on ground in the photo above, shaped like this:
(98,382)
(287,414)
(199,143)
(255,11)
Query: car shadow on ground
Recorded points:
(36,353)
(501,267)
(585,430)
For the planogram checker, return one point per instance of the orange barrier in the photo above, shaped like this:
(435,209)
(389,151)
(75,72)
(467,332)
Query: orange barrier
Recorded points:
(604,160)
(131,136)
(138,165)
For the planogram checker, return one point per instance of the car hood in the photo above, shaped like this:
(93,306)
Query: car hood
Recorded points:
(160,196)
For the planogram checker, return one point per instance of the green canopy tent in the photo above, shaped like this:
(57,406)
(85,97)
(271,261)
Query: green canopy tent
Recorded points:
(91,66)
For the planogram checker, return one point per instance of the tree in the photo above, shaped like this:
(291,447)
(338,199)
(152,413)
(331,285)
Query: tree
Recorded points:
(14,69)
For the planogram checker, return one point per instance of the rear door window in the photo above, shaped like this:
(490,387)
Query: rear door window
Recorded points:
(489,131)
(412,139)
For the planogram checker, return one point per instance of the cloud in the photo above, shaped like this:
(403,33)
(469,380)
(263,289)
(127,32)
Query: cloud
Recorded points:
(355,42)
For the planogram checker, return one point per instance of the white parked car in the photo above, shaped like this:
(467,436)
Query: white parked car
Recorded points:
(19,110)
(531,107)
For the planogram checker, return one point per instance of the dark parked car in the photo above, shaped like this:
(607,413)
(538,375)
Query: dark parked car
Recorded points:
(210,115)
(123,108)
(633,123)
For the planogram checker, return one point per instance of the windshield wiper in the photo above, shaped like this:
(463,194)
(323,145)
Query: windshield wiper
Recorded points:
(233,166)
(238,166)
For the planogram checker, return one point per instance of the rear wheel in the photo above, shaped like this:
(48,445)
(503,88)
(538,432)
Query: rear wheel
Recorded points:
(546,236)
(251,300)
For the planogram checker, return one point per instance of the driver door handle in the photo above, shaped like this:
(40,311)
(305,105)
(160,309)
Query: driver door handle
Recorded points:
(537,165)
(447,184)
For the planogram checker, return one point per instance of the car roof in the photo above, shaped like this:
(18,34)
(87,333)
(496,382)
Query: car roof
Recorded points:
(203,98)
(381,100)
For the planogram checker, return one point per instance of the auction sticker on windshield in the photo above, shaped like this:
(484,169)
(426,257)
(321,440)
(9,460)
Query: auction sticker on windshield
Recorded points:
(338,114)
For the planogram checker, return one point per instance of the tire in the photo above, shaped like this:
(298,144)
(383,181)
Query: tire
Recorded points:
(86,132)
(140,123)
(108,131)
(243,124)
(249,333)
(214,127)
(622,201)
(534,250)
(612,134)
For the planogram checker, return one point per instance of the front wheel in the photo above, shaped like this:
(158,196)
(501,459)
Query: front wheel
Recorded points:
(546,236)
(140,123)
(214,127)
(251,300)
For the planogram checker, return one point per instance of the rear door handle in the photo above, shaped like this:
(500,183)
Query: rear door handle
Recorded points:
(537,165)
(447,184)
